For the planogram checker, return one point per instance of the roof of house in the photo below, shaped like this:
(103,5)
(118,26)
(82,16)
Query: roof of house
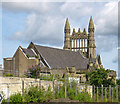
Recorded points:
(59,58)
(28,52)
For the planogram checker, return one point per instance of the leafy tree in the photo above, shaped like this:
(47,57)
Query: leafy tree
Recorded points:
(118,81)
(99,77)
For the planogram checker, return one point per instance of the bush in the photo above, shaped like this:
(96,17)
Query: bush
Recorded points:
(48,95)
(34,94)
(61,93)
(4,101)
(33,72)
(8,75)
(71,93)
(16,98)
(83,97)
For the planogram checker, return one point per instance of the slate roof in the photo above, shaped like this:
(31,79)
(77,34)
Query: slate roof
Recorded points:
(28,52)
(59,58)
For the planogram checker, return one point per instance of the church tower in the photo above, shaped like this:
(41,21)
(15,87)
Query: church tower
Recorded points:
(91,41)
(67,35)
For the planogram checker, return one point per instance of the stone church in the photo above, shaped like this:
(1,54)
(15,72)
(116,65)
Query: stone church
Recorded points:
(77,56)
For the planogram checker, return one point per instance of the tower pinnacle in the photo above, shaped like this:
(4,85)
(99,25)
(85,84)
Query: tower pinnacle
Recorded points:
(67,26)
(91,25)
(84,31)
(91,40)
(67,35)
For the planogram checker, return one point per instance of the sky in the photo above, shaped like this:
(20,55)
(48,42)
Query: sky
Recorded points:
(43,23)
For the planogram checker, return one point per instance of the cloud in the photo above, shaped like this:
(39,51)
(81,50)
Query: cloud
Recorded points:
(45,21)
(57,0)
(42,30)
(106,43)
(76,10)
(29,7)
(107,19)
(115,59)
(106,27)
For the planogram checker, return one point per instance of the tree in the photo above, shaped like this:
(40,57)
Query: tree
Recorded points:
(118,81)
(99,77)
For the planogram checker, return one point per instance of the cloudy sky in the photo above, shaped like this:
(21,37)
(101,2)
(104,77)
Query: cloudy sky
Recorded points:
(43,23)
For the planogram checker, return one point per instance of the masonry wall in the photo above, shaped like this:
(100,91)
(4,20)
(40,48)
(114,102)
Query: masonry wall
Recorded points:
(18,64)
(8,66)
(22,63)
(15,84)
(60,72)
(12,85)
(1,72)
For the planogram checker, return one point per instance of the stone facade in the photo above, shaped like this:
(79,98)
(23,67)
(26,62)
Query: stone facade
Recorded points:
(8,65)
(83,42)
(77,56)
(80,41)
(19,63)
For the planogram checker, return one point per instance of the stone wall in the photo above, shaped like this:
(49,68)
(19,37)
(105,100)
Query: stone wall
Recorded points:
(18,64)
(15,84)
(12,85)
(8,65)
(23,63)
(1,72)
(60,72)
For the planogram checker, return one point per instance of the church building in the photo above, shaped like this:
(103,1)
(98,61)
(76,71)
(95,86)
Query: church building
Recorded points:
(77,56)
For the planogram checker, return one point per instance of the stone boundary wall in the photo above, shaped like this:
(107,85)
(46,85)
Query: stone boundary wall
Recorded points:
(1,72)
(12,85)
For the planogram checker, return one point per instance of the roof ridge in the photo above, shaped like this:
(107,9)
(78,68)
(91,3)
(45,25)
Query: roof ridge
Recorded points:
(61,50)
(55,48)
